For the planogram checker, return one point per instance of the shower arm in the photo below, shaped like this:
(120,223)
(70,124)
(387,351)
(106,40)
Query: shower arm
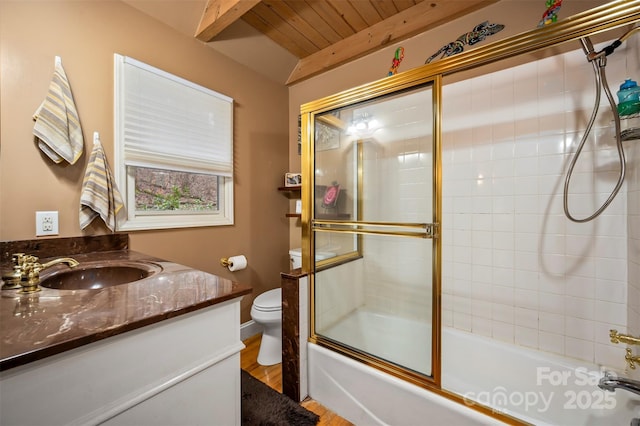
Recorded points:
(629,33)
(592,55)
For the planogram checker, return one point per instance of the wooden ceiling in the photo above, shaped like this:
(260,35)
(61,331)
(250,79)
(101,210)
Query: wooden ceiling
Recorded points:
(324,34)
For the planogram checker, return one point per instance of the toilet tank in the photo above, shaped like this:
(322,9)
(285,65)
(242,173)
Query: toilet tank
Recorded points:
(295,256)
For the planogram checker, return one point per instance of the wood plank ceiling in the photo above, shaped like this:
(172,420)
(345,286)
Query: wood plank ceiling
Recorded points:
(324,34)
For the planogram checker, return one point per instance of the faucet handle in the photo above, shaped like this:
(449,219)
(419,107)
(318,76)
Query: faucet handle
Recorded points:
(613,334)
(631,360)
(29,258)
(11,279)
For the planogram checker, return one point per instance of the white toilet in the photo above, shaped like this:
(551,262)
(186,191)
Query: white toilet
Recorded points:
(267,311)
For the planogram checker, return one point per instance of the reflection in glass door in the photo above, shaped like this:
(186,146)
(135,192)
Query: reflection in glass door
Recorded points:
(372,230)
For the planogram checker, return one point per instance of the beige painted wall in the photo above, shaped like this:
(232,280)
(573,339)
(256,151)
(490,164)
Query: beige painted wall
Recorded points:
(517,16)
(86,34)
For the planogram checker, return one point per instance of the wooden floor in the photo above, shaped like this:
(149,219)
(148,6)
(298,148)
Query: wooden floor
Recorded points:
(272,376)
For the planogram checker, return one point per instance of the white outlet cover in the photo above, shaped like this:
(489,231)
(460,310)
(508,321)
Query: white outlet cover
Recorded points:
(46,223)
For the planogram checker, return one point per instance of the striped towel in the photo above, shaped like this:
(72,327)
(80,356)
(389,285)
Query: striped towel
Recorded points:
(57,127)
(100,196)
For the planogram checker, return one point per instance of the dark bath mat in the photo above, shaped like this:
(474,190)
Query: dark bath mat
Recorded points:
(263,406)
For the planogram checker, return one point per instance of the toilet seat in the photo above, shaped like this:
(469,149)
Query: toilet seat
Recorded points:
(269,301)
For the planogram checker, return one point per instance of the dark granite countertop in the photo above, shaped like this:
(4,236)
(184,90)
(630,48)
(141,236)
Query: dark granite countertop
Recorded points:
(37,325)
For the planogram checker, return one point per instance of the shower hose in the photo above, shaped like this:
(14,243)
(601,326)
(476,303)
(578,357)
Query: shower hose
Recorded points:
(599,63)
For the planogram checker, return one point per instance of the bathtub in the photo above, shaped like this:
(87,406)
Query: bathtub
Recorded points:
(535,387)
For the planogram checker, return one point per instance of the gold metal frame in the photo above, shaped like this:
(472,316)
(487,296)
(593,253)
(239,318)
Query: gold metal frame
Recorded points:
(603,18)
(436,267)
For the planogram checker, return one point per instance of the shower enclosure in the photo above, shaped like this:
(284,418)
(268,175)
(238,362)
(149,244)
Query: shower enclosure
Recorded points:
(438,195)
(375,211)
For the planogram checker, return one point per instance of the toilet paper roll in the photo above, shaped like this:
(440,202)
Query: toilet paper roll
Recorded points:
(237,263)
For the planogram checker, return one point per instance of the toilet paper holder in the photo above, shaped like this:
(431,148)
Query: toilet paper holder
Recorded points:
(234,263)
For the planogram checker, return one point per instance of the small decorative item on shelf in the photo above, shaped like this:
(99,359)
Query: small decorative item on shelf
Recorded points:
(395,63)
(551,14)
(298,206)
(292,179)
(330,198)
(628,98)
(478,34)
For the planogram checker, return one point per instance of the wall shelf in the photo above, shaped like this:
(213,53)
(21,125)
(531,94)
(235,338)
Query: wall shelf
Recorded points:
(292,193)
(296,188)
(632,130)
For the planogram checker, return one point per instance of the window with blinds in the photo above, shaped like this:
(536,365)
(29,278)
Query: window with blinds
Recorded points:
(174,149)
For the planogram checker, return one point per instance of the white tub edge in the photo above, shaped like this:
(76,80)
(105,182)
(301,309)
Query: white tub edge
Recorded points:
(366,396)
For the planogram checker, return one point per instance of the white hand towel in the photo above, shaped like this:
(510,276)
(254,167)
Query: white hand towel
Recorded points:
(57,128)
(100,196)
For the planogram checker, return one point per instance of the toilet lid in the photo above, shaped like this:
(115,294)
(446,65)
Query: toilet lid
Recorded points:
(269,301)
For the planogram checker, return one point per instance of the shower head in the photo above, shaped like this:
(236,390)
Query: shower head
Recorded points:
(592,55)
(587,46)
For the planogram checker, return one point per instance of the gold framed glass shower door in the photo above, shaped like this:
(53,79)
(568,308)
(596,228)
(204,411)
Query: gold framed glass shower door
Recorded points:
(608,16)
(373,231)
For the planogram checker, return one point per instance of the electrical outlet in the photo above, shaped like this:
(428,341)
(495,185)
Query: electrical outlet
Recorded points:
(46,223)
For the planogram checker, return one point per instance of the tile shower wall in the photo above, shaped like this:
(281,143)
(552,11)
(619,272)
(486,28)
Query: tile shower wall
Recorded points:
(514,268)
(633,205)
(397,270)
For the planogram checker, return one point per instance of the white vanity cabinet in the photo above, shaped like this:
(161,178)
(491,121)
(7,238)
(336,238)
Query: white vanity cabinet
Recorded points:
(183,370)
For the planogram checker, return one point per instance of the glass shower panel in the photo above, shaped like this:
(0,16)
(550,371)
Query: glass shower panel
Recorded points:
(373,210)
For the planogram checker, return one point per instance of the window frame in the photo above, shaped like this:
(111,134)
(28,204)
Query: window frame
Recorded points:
(124,175)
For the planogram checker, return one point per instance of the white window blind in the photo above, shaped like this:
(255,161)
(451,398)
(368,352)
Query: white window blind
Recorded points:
(185,130)
(173,124)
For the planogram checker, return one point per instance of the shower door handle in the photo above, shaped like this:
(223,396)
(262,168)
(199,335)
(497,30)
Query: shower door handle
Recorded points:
(400,229)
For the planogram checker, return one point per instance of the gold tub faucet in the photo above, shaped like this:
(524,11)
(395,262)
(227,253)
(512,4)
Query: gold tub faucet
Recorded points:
(623,338)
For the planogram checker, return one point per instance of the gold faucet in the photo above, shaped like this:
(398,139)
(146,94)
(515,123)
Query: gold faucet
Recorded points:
(623,338)
(631,360)
(29,269)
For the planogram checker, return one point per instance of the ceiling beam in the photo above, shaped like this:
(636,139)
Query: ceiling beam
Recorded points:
(409,22)
(219,14)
